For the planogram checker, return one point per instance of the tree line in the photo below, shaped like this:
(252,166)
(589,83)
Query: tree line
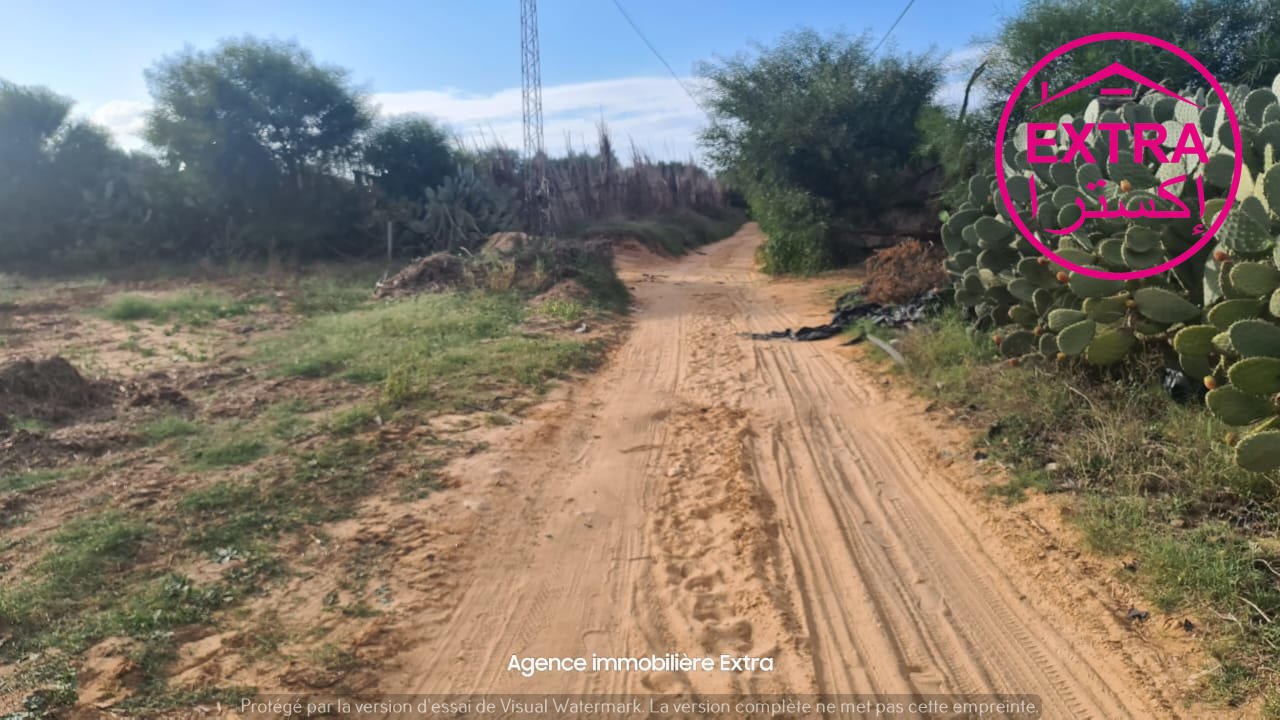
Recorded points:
(832,142)
(255,149)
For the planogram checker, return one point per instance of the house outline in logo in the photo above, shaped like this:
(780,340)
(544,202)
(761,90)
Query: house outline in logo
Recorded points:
(1106,72)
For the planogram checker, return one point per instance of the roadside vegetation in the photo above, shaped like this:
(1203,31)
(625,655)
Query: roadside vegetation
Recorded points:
(238,170)
(1147,481)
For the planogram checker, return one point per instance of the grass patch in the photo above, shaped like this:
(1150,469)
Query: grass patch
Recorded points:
(286,422)
(333,292)
(29,481)
(191,308)
(566,311)
(34,425)
(134,344)
(353,420)
(1149,480)
(88,556)
(232,516)
(228,452)
(453,351)
(167,428)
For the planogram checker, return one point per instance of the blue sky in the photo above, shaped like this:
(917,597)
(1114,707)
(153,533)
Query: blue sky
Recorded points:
(458,60)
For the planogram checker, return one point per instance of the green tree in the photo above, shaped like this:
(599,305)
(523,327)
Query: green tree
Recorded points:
(821,136)
(58,180)
(270,134)
(407,155)
(1237,40)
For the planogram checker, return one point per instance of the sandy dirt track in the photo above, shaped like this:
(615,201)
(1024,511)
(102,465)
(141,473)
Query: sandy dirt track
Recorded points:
(706,494)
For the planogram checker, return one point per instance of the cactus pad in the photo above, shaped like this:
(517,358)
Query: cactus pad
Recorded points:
(1225,313)
(1062,317)
(1253,338)
(1259,452)
(1076,337)
(1254,278)
(1018,343)
(1087,286)
(1235,407)
(1243,236)
(1256,375)
(1164,306)
(1109,347)
(1195,340)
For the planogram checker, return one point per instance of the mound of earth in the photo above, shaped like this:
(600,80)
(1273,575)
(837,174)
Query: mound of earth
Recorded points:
(433,273)
(50,389)
(565,290)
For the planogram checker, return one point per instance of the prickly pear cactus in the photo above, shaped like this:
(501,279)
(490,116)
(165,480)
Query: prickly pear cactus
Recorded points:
(1217,313)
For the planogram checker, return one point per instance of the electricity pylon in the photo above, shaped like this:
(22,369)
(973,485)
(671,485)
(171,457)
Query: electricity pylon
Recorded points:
(536,200)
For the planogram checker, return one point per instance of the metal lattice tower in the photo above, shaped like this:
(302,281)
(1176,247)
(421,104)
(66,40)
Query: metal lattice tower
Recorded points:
(535,176)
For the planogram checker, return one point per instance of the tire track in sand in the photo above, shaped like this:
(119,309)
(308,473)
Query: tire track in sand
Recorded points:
(707,493)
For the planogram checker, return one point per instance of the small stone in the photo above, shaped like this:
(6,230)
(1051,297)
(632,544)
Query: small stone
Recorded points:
(1051,467)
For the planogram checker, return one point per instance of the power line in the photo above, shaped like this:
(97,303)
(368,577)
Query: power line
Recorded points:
(894,25)
(658,55)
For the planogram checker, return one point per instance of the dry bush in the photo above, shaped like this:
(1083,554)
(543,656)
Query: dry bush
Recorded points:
(897,274)
(593,184)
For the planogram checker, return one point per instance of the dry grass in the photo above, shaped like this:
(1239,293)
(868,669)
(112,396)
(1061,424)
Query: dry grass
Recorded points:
(1149,480)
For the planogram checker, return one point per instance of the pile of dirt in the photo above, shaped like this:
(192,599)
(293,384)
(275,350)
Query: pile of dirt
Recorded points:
(563,291)
(516,262)
(434,273)
(50,389)
(902,272)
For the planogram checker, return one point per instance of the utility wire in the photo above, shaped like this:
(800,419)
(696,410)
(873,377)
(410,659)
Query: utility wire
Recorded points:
(891,27)
(658,55)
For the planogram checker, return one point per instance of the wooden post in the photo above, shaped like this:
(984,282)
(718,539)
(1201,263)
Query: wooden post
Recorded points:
(389,243)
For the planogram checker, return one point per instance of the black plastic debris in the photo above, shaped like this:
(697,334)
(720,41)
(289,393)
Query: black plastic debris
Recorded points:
(1139,615)
(1181,388)
(848,310)
(1188,626)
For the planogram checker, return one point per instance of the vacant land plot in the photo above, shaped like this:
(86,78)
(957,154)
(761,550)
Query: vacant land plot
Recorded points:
(198,478)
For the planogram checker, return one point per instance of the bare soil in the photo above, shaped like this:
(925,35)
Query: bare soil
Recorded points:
(710,494)
(702,493)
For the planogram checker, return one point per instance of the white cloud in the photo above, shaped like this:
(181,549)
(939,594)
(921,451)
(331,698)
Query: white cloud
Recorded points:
(125,119)
(965,59)
(958,66)
(654,112)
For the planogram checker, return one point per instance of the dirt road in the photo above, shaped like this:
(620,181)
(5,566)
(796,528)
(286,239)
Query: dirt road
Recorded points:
(707,494)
